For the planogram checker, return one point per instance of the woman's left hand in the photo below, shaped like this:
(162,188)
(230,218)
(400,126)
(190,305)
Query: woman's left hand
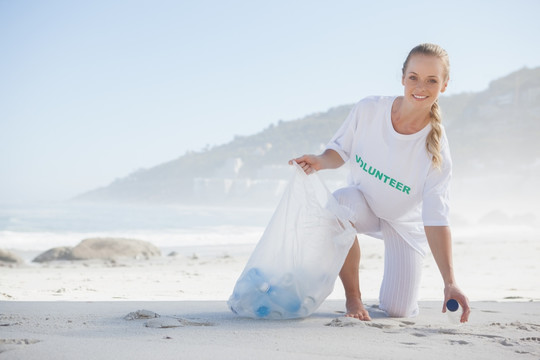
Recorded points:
(454,292)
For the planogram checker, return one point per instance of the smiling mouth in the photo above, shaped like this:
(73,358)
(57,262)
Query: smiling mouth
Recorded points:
(419,97)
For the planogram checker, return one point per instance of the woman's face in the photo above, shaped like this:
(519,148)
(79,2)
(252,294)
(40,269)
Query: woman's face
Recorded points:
(424,79)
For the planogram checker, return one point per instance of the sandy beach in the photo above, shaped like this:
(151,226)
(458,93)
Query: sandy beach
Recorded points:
(147,147)
(207,330)
(91,309)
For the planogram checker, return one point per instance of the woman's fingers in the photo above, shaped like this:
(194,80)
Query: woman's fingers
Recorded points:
(305,163)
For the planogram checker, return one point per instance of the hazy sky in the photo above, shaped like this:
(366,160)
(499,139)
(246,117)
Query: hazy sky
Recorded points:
(91,91)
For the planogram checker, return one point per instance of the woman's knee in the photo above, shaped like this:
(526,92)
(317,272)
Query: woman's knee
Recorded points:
(402,274)
(363,218)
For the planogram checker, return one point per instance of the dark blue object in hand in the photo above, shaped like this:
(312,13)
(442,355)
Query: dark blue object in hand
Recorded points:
(452,305)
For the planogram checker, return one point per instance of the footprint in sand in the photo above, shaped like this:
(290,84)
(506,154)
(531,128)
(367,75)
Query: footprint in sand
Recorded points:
(459,342)
(18,341)
(170,322)
(532,338)
(10,344)
(506,342)
(407,323)
(518,325)
(380,325)
(162,323)
(345,322)
(141,314)
(186,322)
(156,321)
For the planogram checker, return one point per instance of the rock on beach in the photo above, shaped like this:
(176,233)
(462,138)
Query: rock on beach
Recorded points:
(7,257)
(102,248)
(58,253)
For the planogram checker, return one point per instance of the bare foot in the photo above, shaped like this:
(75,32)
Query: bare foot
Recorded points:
(356,309)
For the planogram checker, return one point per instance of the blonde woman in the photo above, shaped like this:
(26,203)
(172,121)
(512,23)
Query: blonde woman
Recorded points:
(400,173)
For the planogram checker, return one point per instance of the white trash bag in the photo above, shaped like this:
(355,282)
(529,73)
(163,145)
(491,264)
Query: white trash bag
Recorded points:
(297,260)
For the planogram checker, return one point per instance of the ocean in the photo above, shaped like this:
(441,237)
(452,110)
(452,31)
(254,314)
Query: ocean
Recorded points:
(36,228)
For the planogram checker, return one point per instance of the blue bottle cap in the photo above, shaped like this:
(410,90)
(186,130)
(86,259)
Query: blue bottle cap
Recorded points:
(452,305)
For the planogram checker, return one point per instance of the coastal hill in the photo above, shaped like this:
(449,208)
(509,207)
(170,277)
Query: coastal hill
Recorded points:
(493,136)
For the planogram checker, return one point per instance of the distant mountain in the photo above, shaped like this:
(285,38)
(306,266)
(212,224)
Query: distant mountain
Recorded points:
(492,132)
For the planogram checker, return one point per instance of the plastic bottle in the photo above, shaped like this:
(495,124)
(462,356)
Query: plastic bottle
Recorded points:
(256,279)
(261,307)
(308,306)
(256,288)
(452,306)
(285,294)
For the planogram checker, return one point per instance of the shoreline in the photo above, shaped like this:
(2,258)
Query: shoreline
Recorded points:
(506,269)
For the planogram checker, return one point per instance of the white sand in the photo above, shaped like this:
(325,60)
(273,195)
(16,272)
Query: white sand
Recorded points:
(75,310)
(208,330)
(496,264)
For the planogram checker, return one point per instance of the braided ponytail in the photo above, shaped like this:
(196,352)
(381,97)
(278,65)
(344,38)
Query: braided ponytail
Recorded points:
(433,140)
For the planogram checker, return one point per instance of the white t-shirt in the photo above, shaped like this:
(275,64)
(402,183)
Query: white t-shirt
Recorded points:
(394,171)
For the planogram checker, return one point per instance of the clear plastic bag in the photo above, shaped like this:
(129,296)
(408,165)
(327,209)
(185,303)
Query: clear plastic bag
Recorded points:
(296,262)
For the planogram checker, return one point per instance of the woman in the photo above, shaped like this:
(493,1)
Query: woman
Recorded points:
(400,172)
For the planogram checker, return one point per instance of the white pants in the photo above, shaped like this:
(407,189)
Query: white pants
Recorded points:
(398,296)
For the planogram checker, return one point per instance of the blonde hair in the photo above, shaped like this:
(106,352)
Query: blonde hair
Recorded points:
(433,141)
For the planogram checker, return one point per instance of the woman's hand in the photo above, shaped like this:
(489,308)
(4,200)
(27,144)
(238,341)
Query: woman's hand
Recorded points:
(453,292)
(440,242)
(329,159)
(308,163)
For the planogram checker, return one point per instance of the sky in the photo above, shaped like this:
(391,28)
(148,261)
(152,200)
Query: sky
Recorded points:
(91,91)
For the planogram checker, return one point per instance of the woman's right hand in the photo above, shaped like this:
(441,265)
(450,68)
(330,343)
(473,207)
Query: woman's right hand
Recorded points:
(329,159)
(309,163)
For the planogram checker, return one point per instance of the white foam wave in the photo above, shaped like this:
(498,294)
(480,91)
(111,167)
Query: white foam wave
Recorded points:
(206,236)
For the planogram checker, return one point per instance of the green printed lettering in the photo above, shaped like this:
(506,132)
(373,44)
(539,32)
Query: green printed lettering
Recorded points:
(379,175)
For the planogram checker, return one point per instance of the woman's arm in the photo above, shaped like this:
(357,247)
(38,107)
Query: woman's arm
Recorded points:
(440,242)
(329,159)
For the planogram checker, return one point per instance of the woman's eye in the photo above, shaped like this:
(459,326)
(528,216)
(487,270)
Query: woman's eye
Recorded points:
(412,77)
(432,81)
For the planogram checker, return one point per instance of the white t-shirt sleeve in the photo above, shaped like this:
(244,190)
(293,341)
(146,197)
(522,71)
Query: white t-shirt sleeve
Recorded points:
(343,139)
(436,197)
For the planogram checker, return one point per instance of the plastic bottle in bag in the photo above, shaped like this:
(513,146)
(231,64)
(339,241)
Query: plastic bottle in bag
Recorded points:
(257,280)
(261,306)
(251,294)
(284,294)
(308,305)
(309,236)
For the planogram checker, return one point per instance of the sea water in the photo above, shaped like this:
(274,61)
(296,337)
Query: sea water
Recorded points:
(39,227)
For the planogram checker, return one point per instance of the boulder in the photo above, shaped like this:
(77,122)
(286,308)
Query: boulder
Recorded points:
(9,257)
(59,253)
(102,248)
(113,248)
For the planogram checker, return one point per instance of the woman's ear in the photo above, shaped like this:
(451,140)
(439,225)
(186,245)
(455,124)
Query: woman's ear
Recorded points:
(443,89)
